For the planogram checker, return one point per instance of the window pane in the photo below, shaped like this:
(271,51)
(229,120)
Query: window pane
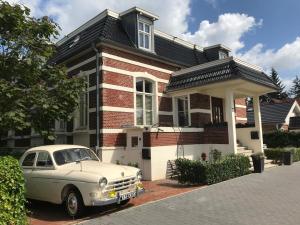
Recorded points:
(139,86)
(139,101)
(147,41)
(29,159)
(147,28)
(44,159)
(139,117)
(141,27)
(149,118)
(148,87)
(182,120)
(148,102)
(180,105)
(141,39)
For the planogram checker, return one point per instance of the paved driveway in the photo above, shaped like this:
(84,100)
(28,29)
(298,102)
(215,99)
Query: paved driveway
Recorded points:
(271,198)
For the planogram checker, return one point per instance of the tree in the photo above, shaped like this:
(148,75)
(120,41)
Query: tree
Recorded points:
(33,92)
(295,89)
(280,94)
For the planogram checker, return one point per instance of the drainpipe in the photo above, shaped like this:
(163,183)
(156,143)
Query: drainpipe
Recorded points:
(97,99)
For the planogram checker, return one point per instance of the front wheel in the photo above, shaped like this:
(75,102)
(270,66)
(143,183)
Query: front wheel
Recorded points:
(74,203)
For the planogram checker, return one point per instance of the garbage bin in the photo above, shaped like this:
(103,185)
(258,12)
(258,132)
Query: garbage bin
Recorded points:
(258,161)
(287,158)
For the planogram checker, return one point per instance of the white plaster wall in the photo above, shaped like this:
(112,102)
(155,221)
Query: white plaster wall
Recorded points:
(161,155)
(81,139)
(244,136)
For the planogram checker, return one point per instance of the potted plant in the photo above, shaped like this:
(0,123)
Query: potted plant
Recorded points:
(258,160)
(287,158)
(203,156)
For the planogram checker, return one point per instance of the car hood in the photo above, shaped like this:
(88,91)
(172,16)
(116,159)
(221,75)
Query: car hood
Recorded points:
(108,170)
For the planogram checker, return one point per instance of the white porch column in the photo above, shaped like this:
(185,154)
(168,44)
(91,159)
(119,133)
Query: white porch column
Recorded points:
(258,126)
(230,119)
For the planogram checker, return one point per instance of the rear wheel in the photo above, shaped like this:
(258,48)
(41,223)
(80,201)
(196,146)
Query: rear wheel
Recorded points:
(74,203)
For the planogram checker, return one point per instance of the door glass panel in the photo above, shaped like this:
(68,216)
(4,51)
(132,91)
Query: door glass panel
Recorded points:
(44,160)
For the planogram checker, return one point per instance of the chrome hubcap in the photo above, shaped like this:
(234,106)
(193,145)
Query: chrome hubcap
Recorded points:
(72,203)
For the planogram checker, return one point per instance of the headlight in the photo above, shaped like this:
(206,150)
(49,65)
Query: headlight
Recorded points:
(139,175)
(102,182)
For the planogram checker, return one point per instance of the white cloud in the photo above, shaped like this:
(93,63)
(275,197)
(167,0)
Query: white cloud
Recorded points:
(228,30)
(285,58)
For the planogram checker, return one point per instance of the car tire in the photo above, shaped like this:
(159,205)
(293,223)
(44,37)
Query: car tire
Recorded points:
(74,204)
(124,202)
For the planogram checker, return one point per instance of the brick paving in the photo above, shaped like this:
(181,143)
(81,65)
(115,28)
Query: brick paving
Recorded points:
(43,213)
(270,198)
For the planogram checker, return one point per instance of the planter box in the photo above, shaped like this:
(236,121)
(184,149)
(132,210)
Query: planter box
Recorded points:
(258,163)
(287,158)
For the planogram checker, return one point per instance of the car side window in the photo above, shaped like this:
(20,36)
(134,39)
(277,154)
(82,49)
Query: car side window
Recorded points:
(29,159)
(44,160)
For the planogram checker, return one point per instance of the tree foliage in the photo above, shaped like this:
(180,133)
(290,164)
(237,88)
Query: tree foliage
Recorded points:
(295,89)
(33,92)
(280,94)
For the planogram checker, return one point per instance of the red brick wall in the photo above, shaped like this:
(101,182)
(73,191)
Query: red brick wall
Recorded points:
(117,98)
(240,112)
(117,79)
(215,135)
(109,140)
(139,59)
(240,101)
(161,87)
(117,119)
(199,101)
(165,139)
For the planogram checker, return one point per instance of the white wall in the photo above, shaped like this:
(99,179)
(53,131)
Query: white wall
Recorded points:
(244,136)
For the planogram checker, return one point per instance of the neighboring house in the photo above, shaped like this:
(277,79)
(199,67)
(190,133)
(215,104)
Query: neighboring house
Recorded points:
(160,97)
(278,116)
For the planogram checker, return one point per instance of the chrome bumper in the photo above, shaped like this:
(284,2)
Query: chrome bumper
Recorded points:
(117,199)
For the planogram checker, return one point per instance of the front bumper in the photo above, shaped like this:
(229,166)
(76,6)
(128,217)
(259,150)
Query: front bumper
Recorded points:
(117,199)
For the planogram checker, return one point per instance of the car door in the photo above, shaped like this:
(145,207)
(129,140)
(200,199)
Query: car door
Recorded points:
(43,177)
(27,166)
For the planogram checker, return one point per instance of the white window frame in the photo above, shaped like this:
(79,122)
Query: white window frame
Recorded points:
(144,94)
(144,33)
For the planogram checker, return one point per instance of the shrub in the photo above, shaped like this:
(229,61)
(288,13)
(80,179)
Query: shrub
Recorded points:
(281,139)
(197,172)
(12,192)
(215,155)
(276,154)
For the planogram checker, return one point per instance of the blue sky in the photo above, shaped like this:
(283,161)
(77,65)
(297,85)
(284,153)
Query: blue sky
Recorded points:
(262,32)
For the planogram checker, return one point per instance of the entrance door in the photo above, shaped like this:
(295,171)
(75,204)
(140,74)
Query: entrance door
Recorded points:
(217,110)
(134,147)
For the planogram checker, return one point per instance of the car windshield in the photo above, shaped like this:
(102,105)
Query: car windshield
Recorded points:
(73,155)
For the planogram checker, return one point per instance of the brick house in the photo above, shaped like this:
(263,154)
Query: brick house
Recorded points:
(160,97)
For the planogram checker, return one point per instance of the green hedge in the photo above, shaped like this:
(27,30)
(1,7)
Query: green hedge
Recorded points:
(280,139)
(200,172)
(276,154)
(12,192)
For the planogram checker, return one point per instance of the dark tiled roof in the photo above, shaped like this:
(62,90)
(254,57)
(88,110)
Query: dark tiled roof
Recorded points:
(228,70)
(272,113)
(111,29)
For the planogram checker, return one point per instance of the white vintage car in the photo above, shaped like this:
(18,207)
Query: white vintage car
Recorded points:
(75,176)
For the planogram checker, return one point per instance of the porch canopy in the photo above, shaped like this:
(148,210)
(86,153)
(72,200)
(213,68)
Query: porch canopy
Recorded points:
(229,79)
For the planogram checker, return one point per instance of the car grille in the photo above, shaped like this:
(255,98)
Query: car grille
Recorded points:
(121,184)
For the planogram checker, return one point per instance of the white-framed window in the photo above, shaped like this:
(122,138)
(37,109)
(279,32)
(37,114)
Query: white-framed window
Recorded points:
(182,111)
(222,55)
(144,35)
(144,101)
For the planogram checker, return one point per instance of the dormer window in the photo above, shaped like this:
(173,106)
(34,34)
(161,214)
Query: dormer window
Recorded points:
(144,31)
(222,55)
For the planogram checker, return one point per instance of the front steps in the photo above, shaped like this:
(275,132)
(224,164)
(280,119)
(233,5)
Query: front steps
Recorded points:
(242,150)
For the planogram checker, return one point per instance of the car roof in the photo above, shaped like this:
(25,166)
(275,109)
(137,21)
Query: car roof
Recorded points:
(52,148)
